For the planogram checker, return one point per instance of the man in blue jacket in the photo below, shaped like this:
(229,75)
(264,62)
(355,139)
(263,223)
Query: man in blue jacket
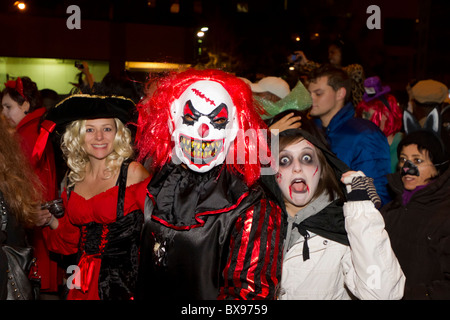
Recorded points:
(356,141)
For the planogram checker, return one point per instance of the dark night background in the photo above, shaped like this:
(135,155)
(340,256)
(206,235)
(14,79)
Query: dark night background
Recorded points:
(248,38)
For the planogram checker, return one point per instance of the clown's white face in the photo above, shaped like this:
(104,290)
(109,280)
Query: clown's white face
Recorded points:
(204,125)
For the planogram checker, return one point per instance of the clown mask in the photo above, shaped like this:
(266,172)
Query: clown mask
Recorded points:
(299,174)
(204,125)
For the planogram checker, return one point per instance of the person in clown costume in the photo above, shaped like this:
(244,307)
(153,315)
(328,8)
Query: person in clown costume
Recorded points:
(212,231)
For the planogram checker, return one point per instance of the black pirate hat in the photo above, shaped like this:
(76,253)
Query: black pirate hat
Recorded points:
(83,107)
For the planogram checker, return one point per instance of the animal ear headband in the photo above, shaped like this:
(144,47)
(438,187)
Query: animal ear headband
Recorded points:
(16,85)
(432,123)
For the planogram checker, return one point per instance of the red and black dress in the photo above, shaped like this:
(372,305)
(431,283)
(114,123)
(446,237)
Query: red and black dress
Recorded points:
(104,231)
(209,236)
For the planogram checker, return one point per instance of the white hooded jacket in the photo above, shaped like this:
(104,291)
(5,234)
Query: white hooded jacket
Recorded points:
(366,269)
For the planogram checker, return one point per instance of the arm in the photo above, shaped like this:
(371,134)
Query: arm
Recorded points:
(302,63)
(373,271)
(64,239)
(136,173)
(253,268)
(88,75)
(61,236)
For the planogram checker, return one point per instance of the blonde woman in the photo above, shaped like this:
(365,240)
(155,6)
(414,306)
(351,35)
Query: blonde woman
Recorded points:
(104,197)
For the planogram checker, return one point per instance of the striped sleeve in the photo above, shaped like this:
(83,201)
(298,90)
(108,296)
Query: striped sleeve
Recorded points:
(253,268)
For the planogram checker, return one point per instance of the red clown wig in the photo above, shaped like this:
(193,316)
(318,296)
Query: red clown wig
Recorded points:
(389,119)
(155,142)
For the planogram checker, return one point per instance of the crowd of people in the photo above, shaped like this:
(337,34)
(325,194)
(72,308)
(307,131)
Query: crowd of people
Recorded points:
(206,185)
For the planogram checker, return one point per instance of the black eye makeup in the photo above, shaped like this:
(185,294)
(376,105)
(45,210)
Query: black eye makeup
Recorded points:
(306,157)
(285,161)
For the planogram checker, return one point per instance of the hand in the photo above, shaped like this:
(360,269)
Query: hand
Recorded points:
(300,58)
(43,217)
(287,122)
(347,178)
(359,187)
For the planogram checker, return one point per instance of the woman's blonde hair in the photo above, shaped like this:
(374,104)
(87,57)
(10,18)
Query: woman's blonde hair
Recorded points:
(72,146)
(21,188)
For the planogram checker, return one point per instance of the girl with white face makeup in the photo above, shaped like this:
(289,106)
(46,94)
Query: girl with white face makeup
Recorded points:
(298,176)
(336,246)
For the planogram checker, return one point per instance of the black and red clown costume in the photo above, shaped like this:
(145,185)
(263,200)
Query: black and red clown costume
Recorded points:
(211,229)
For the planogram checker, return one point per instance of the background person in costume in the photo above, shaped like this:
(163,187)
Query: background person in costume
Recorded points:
(417,219)
(104,197)
(425,96)
(212,231)
(382,108)
(334,237)
(22,106)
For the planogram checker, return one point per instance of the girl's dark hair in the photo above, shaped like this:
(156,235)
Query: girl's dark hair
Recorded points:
(30,91)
